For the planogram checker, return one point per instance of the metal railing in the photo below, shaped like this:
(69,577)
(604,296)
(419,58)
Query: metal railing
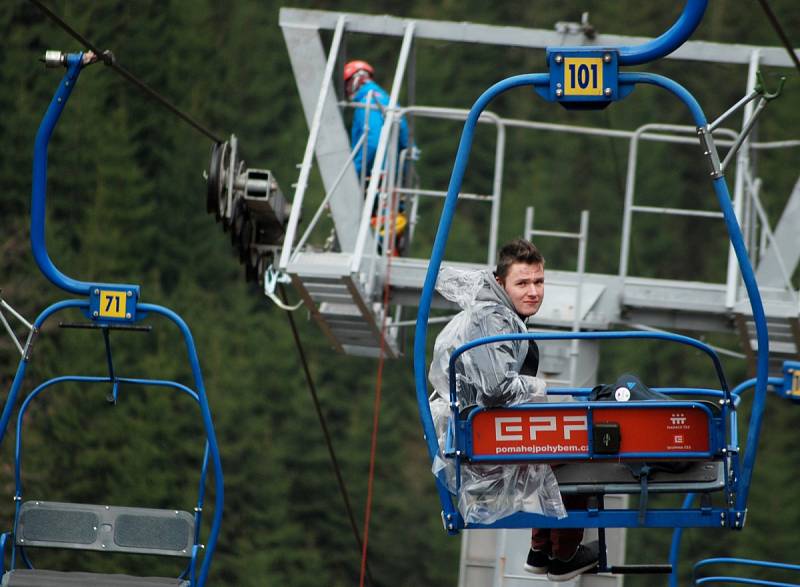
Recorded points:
(386,178)
(582,236)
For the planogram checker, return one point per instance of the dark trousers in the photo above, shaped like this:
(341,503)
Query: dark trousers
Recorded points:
(561,542)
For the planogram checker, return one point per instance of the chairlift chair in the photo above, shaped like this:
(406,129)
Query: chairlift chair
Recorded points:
(107,307)
(589,78)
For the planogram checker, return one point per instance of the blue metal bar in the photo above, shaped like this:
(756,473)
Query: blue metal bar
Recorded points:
(582,392)
(210,434)
(675,546)
(11,400)
(747,562)
(587,336)
(670,40)
(748,276)
(39,191)
(743,581)
(776,382)
(3,543)
(655,518)
(421,334)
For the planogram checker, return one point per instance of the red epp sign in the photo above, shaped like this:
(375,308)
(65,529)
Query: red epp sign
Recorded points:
(565,432)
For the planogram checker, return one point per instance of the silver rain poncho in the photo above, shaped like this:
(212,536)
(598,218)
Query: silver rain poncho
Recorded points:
(487,376)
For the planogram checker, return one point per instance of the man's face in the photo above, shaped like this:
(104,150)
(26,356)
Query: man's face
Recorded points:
(524,284)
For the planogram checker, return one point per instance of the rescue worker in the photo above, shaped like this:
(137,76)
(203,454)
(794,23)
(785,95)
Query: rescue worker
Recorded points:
(498,374)
(362,90)
(371,100)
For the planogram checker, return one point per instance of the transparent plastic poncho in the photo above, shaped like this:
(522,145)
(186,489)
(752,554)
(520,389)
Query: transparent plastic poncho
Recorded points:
(486,376)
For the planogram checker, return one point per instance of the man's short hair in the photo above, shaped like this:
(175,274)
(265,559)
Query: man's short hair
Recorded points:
(517,251)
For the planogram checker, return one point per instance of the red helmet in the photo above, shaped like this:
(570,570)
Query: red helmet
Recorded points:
(351,67)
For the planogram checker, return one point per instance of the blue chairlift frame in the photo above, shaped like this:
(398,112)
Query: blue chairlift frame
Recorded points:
(134,312)
(733,513)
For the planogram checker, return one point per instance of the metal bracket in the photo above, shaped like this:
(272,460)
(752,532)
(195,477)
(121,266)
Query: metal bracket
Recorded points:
(32,336)
(11,333)
(710,151)
(762,90)
(272,278)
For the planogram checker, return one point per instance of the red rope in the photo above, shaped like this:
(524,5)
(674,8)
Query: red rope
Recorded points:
(389,246)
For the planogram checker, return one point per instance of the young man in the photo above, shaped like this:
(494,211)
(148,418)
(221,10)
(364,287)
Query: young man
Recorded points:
(505,374)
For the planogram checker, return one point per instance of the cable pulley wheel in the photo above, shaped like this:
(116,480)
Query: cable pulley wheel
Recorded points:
(218,180)
(212,179)
(226,166)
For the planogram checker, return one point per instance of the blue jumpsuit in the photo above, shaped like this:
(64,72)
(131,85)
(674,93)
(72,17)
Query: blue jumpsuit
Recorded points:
(375,124)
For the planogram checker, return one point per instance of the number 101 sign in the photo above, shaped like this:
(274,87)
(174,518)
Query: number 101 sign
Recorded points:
(583,78)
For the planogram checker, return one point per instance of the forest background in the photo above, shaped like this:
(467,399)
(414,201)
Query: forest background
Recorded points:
(126,203)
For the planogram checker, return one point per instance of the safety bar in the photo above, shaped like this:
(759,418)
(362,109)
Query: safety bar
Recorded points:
(586,336)
(741,561)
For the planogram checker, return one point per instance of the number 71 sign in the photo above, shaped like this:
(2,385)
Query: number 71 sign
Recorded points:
(116,303)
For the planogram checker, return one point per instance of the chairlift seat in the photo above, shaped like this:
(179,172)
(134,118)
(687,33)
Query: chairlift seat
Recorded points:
(606,478)
(40,578)
(48,524)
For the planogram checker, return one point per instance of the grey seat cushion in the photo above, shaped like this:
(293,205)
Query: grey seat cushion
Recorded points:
(38,578)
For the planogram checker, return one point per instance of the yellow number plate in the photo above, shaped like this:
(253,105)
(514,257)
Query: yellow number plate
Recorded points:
(795,383)
(583,76)
(113,304)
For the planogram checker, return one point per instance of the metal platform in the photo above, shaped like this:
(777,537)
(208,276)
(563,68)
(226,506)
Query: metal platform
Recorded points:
(343,290)
(336,299)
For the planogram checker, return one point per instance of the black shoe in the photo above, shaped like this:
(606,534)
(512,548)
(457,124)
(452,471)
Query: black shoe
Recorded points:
(584,559)
(538,562)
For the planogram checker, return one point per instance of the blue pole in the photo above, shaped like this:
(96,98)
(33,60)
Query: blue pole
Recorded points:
(39,191)
(456,178)
(675,547)
(748,276)
(670,40)
(219,489)
(11,400)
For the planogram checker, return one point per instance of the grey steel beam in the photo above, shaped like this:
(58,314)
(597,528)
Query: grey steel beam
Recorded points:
(332,148)
(787,239)
(512,36)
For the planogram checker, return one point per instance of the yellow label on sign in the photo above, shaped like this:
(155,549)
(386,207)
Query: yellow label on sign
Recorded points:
(795,383)
(112,304)
(583,76)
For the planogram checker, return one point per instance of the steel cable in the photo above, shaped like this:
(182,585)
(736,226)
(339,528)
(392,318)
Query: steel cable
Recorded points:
(312,388)
(108,58)
(776,24)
